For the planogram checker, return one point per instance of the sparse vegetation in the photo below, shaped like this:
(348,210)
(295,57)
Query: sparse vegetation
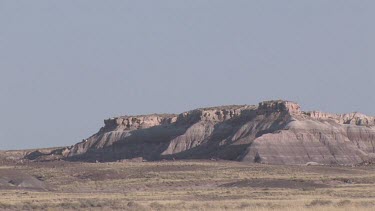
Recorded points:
(320,202)
(189,185)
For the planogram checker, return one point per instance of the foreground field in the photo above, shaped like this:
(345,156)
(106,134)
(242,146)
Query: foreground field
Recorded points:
(184,185)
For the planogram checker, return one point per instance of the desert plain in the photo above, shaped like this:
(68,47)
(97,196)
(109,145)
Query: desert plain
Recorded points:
(184,185)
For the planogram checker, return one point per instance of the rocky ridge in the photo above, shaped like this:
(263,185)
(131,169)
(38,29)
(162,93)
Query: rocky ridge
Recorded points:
(274,132)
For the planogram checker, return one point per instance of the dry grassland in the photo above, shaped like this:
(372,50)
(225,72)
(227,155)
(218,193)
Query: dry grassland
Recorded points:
(185,185)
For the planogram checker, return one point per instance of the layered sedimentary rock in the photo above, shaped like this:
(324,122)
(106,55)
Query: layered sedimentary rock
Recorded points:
(274,132)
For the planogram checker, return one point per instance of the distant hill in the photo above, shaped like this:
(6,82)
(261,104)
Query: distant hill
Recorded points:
(272,132)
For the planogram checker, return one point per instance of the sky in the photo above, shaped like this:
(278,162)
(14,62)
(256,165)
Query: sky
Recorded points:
(65,66)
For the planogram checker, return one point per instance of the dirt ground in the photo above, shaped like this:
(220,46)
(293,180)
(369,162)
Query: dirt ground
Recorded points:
(184,185)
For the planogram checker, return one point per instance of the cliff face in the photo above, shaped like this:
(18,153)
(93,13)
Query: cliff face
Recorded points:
(275,132)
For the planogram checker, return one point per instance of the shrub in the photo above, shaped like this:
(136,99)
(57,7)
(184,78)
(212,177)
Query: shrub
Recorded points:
(343,203)
(156,206)
(319,202)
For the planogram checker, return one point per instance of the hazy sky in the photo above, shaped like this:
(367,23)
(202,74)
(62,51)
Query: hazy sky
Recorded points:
(67,65)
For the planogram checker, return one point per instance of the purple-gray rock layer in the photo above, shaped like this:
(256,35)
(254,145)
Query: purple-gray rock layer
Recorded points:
(274,132)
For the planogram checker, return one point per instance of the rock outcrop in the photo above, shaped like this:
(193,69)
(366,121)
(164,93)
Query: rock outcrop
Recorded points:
(274,132)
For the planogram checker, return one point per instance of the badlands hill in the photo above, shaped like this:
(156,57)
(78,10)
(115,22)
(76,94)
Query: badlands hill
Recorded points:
(273,132)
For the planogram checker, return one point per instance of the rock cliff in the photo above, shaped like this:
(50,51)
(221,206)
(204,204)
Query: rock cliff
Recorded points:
(274,132)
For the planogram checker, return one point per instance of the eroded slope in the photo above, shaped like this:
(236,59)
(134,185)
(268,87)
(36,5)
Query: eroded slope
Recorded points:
(275,132)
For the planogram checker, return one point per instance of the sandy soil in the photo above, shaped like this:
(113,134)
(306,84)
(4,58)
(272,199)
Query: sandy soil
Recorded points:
(184,185)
